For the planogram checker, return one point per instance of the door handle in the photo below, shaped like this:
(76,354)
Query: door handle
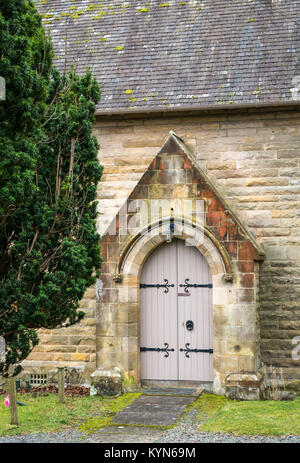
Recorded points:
(189,325)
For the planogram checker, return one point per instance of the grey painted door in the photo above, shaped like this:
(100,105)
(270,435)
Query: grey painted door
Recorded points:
(176,315)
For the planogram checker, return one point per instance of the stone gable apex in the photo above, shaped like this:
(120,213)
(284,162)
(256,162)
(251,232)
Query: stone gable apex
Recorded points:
(181,177)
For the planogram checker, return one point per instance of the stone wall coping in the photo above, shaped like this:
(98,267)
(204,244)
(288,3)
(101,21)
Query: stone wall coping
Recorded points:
(101,372)
(244,379)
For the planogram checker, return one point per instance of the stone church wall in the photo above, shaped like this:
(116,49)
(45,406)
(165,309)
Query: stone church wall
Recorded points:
(253,156)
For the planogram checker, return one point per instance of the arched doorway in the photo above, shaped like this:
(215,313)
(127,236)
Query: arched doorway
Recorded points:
(176,333)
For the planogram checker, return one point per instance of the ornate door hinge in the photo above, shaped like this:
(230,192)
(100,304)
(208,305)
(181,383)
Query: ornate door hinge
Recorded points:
(158,349)
(166,285)
(188,285)
(188,350)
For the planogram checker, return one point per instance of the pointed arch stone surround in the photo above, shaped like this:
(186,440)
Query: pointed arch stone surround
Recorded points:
(231,252)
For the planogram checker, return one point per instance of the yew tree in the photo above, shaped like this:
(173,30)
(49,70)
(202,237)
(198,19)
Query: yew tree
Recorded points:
(48,180)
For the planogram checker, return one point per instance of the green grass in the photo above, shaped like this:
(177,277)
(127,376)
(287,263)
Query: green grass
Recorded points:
(208,404)
(249,418)
(45,414)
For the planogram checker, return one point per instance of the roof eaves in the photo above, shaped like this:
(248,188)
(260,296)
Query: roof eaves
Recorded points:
(183,108)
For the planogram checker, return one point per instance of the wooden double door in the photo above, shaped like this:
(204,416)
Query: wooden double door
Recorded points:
(176,315)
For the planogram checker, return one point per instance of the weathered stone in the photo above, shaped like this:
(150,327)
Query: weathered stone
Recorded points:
(106,382)
(74,376)
(56,348)
(244,386)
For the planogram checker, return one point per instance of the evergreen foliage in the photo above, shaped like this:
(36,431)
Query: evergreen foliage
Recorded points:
(48,180)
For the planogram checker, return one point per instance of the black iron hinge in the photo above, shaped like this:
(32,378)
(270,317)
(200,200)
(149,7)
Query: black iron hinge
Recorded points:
(158,349)
(188,350)
(166,285)
(188,285)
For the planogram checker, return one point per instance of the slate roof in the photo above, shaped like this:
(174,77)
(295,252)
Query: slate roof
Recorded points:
(180,54)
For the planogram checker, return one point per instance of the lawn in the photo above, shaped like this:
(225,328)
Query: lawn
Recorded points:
(249,418)
(44,413)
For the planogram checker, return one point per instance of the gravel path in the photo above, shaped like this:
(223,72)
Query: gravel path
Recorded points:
(70,436)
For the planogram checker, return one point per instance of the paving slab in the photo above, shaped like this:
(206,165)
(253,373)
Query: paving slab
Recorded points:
(154,410)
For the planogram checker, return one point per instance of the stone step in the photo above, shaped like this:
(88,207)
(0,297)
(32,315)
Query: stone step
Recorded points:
(173,391)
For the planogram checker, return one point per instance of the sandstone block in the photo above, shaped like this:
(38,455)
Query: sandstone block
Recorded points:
(245,386)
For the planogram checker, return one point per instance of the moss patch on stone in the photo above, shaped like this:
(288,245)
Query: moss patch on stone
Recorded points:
(108,409)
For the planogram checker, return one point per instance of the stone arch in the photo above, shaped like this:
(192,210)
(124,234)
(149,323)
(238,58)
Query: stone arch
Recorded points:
(140,247)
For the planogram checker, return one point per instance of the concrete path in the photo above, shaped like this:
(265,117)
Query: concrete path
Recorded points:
(153,410)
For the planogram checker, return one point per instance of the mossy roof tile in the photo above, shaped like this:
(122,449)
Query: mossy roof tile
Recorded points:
(190,54)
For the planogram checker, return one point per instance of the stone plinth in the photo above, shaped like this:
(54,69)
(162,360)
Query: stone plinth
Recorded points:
(243,386)
(106,382)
